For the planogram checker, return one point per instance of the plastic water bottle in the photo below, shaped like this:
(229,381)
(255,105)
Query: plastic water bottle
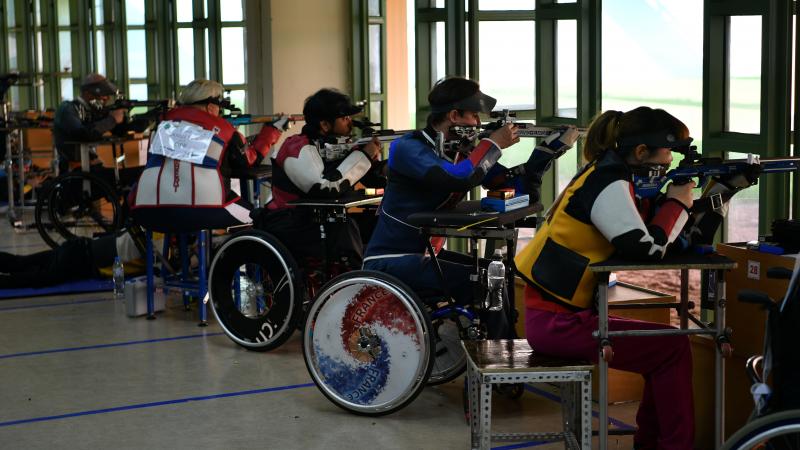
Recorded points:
(496,278)
(118,274)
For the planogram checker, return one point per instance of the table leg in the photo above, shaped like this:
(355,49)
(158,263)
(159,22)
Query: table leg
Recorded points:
(602,326)
(684,306)
(719,362)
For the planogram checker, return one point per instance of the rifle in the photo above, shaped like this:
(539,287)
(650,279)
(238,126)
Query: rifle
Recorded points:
(695,166)
(250,119)
(338,150)
(526,130)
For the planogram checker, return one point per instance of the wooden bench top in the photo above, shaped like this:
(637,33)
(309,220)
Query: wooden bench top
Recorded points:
(507,355)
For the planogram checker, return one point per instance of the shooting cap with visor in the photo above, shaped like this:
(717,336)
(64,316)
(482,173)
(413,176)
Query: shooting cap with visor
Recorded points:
(98,85)
(478,102)
(329,104)
(659,139)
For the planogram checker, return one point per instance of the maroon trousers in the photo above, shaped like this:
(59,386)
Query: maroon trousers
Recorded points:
(666,414)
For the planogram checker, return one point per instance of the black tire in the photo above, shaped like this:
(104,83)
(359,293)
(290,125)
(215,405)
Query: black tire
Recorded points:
(449,359)
(82,205)
(269,293)
(778,431)
(363,327)
(44,225)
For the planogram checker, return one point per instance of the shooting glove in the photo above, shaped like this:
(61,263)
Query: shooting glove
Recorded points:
(739,181)
(282,123)
(560,141)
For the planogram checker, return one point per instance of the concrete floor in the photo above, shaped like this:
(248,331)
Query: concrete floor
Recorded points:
(75,372)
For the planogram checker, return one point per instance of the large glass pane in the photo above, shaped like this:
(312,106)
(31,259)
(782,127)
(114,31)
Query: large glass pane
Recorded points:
(205,52)
(39,52)
(184,10)
(374,8)
(506,5)
(37,12)
(231,11)
(438,56)
(11,13)
(99,17)
(62,12)
(137,91)
(185,56)
(645,68)
(233,56)
(375,57)
(567,68)
(64,51)
(567,167)
(744,75)
(137,54)
(238,98)
(67,86)
(134,12)
(508,71)
(13,63)
(100,51)
(742,223)
(375,112)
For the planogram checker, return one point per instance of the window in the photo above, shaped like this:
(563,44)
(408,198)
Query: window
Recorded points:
(744,75)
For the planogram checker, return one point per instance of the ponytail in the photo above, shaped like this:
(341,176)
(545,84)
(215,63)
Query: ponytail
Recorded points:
(602,134)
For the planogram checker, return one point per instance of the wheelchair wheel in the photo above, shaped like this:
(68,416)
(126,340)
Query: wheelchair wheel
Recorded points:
(367,343)
(44,225)
(777,431)
(82,205)
(254,291)
(449,358)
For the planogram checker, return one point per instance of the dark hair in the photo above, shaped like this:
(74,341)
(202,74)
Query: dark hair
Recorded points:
(447,91)
(610,127)
(326,105)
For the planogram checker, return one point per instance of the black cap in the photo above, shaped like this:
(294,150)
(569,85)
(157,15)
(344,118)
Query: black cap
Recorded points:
(329,104)
(98,85)
(659,139)
(478,102)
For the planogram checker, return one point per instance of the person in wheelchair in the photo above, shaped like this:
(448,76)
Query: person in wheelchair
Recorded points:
(85,119)
(186,183)
(421,178)
(599,214)
(302,170)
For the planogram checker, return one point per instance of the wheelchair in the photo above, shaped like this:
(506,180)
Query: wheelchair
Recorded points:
(82,203)
(77,204)
(370,343)
(259,292)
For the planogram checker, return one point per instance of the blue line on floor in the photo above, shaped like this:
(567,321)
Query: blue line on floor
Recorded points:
(550,396)
(523,445)
(49,305)
(155,404)
(117,344)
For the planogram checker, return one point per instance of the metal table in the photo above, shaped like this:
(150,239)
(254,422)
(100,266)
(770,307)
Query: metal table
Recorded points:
(467,220)
(717,264)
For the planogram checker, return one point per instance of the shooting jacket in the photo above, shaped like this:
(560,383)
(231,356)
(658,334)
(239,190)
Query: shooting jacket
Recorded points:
(78,121)
(299,171)
(596,215)
(173,183)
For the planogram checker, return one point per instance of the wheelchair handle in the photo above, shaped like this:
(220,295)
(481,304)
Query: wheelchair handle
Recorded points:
(755,297)
(779,273)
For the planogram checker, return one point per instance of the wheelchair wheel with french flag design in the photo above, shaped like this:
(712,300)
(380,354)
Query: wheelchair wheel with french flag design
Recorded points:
(367,343)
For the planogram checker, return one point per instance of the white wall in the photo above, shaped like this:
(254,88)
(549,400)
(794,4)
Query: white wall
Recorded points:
(310,50)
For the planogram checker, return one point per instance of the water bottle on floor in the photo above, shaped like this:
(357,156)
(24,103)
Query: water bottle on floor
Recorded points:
(118,274)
